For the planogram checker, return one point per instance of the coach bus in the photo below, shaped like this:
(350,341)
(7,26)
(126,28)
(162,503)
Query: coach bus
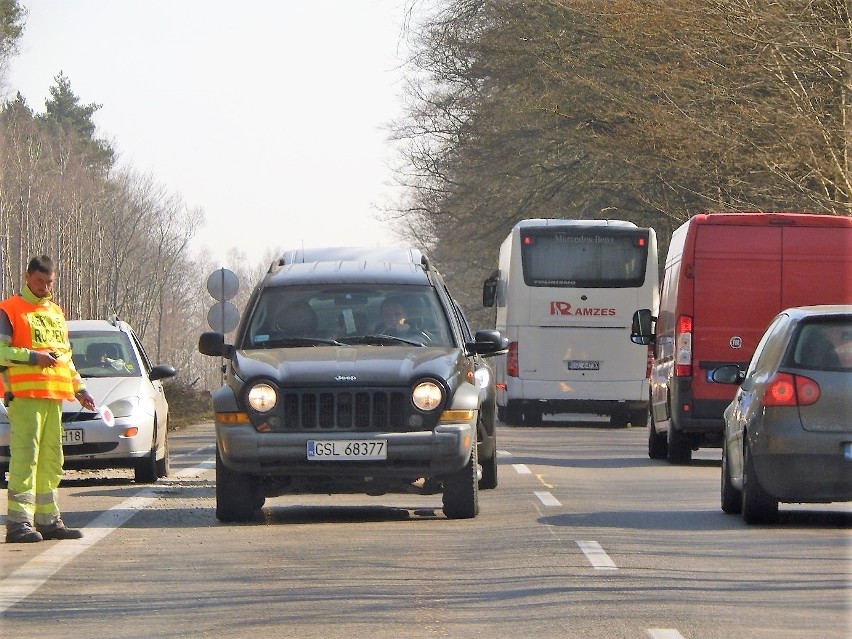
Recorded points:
(565,292)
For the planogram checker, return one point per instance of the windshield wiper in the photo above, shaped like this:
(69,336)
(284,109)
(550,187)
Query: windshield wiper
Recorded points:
(286,342)
(380,340)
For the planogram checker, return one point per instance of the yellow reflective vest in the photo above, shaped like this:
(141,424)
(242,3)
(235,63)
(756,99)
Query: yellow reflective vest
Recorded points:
(39,327)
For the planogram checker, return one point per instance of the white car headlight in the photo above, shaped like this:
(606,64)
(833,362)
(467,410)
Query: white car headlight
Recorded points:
(427,396)
(262,397)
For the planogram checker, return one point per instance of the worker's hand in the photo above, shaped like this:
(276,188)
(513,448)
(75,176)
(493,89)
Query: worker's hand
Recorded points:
(86,400)
(44,360)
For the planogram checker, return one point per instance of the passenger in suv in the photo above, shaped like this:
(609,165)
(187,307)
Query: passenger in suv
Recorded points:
(342,407)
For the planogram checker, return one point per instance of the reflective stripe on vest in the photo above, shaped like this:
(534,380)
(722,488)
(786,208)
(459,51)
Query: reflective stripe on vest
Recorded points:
(39,327)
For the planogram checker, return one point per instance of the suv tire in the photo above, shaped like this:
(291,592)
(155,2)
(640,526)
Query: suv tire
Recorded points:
(238,496)
(461,490)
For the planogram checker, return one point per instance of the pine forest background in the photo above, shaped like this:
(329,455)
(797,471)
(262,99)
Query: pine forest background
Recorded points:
(648,111)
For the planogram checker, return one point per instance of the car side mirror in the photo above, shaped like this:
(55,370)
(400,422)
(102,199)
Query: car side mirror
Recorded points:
(488,342)
(214,344)
(642,329)
(161,371)
(727,374)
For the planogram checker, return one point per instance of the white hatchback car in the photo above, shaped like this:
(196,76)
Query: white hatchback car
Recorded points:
(131,428)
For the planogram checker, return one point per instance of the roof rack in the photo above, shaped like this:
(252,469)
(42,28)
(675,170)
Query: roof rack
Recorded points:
(395,254)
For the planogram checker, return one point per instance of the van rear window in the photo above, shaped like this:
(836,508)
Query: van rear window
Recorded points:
(589,259)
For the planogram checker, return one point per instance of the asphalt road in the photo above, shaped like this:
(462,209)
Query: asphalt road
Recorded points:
(584,537)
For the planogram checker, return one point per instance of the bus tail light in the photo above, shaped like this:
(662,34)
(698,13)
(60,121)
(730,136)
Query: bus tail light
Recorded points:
(683,346)
(512,368)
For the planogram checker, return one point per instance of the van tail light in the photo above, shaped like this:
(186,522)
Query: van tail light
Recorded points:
(512,368)
(683,346)
(786,389)
(650,363)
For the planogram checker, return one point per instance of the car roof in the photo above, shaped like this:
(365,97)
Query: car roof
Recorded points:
(821,310)
(76,326)
(350,265)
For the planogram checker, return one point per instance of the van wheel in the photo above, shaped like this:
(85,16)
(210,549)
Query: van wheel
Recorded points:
(238,496)
(732,499)
(679,447)
(658,445)
(759,507)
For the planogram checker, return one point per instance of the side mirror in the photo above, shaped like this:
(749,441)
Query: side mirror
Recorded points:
(488,342)
(489,290)
(214,344)
(727,374)
(162,371)
(642,329)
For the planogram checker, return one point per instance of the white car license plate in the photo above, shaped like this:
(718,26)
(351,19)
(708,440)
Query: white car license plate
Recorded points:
(583,365)
(347,449)
(72,437)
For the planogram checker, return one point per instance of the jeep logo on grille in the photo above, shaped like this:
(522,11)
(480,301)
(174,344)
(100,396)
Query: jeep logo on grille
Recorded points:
(345,378)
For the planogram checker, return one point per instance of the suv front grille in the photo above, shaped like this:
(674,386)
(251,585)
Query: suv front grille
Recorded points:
(343,410)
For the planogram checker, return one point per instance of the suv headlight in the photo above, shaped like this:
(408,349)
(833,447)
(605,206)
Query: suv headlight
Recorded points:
(262,397)
(427,396)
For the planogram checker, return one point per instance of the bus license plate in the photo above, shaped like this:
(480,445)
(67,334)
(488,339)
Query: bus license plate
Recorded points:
(72,437)
(347,449)
(583,365)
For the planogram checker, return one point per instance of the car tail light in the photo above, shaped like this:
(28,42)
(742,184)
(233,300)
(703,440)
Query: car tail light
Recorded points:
(683,345)
(512,368)
(786,389)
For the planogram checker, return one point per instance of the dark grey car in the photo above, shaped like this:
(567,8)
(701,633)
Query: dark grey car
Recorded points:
(788,430)
(324,394)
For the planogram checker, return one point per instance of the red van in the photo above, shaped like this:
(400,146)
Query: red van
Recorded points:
(726,276)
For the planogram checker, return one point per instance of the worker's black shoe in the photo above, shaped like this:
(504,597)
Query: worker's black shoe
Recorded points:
(22,533)
(58,530)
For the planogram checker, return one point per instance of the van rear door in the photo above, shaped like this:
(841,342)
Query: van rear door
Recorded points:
(817,266)
(736,275)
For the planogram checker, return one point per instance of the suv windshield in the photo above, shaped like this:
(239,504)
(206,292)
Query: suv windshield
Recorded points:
(346,314)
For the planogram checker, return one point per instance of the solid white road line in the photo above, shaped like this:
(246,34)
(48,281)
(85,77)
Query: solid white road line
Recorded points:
(29,577)
(596,555)
(664,633)
(547,498)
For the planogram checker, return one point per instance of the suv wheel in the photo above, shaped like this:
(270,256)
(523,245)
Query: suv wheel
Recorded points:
(461,490)
(238,496)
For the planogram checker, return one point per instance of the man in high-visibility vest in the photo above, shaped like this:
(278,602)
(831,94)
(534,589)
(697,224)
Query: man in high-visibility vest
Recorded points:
(39,374)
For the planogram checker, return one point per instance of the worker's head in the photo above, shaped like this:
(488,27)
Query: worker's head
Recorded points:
(41,273)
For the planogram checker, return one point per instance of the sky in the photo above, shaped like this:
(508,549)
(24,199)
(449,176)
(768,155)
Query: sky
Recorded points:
(268,115)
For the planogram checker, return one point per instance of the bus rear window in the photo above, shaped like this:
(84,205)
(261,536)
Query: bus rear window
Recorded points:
(611,260)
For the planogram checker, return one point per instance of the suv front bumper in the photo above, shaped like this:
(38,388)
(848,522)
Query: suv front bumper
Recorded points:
(441,451)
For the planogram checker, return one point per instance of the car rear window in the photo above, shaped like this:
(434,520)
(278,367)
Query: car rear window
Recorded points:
(825,345)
